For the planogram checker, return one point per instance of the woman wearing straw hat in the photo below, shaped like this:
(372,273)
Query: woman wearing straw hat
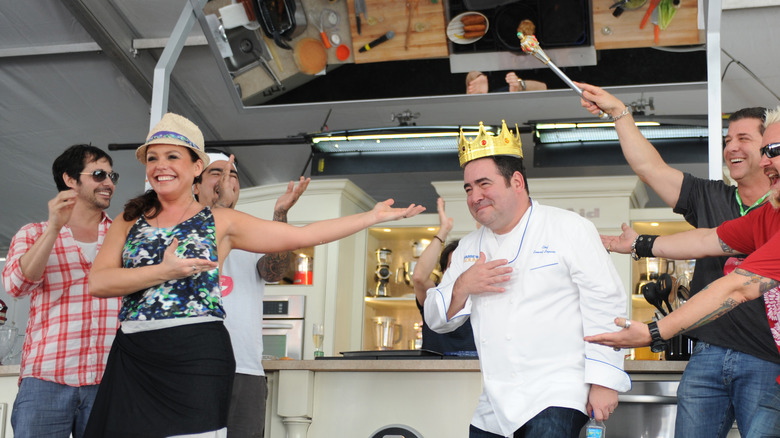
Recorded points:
(171,366)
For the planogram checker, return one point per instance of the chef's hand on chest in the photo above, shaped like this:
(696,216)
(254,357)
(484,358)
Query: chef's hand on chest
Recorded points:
(483,277)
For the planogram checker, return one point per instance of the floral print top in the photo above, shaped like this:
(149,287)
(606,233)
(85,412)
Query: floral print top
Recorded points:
(196,295)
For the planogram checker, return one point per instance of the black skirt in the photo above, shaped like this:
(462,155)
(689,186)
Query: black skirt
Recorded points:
(165,382)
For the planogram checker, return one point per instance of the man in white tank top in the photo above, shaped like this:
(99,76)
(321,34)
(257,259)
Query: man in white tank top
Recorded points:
(243,279)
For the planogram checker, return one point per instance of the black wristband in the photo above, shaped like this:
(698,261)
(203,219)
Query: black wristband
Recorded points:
(643,246)
(657,343)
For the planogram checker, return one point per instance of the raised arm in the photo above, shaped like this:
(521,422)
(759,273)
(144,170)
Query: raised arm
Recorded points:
(421,277)
(271,267)
(33,262)
(242,231)
(691,244)
(643,158)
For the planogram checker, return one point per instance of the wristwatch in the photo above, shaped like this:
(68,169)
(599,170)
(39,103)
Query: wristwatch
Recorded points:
(657,343)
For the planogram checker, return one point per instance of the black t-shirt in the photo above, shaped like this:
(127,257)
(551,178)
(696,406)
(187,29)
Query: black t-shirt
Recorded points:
(458,342)
(707,204)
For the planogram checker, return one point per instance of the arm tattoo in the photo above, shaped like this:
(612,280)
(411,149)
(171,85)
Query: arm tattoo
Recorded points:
(727,249)
(724,308)
(280,216)
(273,266)
(765,284)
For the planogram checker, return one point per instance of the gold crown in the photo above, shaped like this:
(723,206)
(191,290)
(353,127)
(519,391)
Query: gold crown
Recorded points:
(486,145)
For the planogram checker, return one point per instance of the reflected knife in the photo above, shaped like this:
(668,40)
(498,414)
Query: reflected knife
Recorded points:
(360,7)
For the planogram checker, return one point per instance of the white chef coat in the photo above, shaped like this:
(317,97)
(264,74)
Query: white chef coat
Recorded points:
(530,337)
(242,298)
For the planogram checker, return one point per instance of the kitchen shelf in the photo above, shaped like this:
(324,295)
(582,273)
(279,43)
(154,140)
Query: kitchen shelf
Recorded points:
(393,302)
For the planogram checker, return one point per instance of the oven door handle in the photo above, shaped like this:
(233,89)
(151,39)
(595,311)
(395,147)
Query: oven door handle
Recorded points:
(647,398)
(272,325)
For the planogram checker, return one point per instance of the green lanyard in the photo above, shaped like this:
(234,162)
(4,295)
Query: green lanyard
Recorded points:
(742,210)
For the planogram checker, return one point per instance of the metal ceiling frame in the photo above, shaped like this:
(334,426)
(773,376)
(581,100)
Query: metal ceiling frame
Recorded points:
(111,31)
(713,11)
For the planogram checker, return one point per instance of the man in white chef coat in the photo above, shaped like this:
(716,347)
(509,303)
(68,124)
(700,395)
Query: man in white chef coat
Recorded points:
(534,280)
(243,279)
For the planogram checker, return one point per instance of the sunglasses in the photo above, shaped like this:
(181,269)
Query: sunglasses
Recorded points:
(100,175)
(771,150)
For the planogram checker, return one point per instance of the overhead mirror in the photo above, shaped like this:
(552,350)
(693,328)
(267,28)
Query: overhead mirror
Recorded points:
(281,52)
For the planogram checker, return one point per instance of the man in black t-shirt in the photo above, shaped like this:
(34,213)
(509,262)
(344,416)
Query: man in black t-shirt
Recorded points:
(735,358)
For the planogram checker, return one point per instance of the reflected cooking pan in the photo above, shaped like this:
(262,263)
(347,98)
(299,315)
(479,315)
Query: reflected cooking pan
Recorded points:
(506,20)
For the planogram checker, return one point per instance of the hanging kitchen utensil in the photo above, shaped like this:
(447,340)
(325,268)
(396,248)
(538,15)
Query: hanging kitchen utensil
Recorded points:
(665,285)
(652,295)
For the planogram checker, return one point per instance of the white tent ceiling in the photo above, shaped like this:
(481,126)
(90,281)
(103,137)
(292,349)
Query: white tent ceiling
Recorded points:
(59,86)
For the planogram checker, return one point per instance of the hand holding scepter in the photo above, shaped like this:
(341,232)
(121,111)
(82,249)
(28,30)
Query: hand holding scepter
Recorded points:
(530,45)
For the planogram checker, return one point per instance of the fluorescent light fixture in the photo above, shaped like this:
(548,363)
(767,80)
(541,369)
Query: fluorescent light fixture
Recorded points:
(547,133)
(398,139)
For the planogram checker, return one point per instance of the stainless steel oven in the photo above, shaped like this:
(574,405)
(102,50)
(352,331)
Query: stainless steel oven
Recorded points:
(283,326)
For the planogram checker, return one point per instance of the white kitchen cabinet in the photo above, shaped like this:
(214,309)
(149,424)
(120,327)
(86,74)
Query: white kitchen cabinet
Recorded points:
(330,299)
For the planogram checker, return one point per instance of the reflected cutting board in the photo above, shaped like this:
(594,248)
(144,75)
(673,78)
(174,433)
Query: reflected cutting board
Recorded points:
(427,39)
(623,32)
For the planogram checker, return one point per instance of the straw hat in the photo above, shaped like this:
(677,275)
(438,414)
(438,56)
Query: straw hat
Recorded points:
(176,130)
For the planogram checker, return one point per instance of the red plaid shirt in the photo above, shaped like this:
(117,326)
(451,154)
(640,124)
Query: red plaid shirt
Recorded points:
(69,333)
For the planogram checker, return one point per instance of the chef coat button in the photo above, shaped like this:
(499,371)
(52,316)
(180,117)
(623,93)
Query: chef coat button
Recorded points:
(508,337)
(483,341)
(514,374)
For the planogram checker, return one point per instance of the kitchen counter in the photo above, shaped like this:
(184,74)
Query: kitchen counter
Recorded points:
(631,366)
(320,398)
(9,370)
(328,397)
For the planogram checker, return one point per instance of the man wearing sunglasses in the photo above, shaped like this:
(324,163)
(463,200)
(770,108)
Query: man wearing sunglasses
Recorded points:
(69,333)
(757,276)
(739,344)
(243,279)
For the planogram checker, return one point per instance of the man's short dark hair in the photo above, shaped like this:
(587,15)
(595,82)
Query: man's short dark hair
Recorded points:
(507,166)
(756,112)
(73,161)
(445,254)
